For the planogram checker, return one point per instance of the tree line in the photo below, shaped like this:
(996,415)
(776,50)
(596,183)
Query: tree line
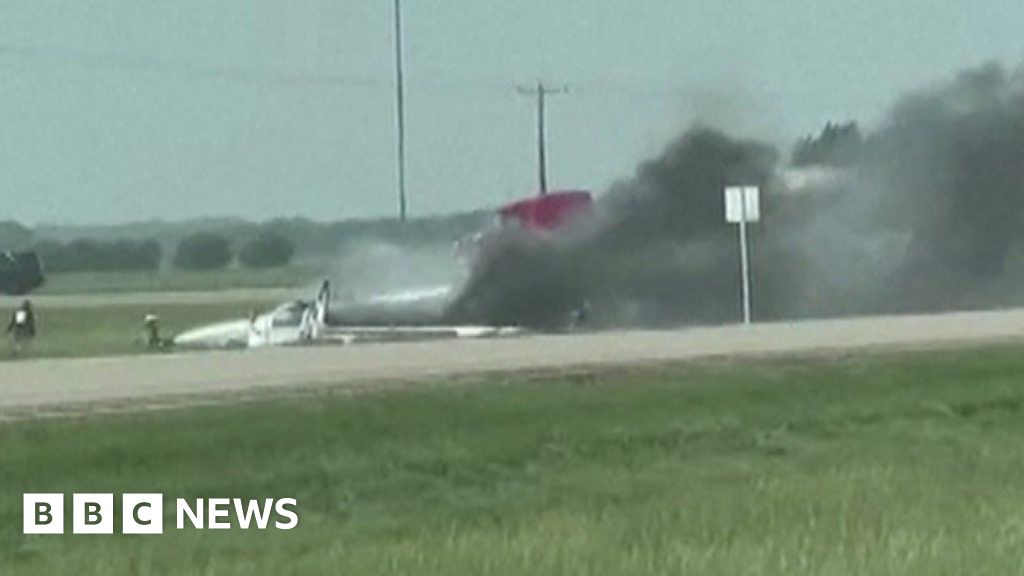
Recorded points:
(311,238)
(199,251)
(210,244)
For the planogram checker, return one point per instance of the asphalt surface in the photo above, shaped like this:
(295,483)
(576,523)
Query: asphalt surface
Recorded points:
(50,386)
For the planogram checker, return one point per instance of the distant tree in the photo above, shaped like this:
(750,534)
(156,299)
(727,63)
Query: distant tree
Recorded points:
(51,253)
(203,251)
(141,255)
(14,236)
(100,255)
(837,145)
(266,250)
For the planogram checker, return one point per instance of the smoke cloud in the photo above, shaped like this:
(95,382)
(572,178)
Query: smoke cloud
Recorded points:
(923,213)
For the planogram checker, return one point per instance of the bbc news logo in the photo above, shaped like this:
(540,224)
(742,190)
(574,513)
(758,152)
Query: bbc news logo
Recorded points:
(144,514)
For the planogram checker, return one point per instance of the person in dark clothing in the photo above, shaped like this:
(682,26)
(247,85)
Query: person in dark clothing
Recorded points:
(22,328)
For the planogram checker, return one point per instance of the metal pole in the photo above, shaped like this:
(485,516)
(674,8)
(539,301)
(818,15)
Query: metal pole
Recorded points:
(400,110)
(541,92)
(745,265)
(541,145)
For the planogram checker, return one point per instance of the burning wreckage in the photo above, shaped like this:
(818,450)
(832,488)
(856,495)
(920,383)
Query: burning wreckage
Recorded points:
(921,213)
(466,311)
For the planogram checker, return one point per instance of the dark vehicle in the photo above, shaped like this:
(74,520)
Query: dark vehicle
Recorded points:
(20,273)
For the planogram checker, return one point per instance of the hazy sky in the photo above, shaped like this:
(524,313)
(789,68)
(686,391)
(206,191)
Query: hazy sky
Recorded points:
(116,110)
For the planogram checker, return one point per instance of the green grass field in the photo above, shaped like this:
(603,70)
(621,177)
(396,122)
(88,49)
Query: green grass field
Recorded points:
(293,276)
(856,465)
(117,329)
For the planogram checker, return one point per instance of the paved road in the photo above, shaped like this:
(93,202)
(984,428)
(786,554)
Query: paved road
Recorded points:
(45,385)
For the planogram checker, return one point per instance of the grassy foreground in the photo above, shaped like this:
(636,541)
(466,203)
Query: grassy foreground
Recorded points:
(858,465)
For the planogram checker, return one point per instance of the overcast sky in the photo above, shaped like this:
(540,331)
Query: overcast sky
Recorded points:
(118,110)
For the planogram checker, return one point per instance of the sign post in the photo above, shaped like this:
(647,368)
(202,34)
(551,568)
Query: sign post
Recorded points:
(743,206)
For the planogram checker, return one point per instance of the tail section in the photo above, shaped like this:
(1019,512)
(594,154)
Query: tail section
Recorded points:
(323,303)
(314,316)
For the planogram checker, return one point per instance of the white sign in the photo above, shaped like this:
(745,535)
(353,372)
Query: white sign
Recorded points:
(742,204)
(742,207)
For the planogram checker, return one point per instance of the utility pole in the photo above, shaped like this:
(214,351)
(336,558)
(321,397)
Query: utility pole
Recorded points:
(400,110)
(541,92)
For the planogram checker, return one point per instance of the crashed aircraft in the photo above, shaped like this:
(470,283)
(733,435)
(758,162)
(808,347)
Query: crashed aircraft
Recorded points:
(432,312)
(303,322)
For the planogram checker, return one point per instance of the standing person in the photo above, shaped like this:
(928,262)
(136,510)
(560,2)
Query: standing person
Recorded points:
(151,324)
(22,328)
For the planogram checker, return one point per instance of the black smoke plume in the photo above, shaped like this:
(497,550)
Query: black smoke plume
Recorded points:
(922,214)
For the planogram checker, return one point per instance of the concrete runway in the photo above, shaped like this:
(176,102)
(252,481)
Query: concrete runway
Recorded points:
(40,387)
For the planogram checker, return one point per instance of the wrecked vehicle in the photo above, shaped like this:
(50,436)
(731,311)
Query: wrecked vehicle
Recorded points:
(528,228)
